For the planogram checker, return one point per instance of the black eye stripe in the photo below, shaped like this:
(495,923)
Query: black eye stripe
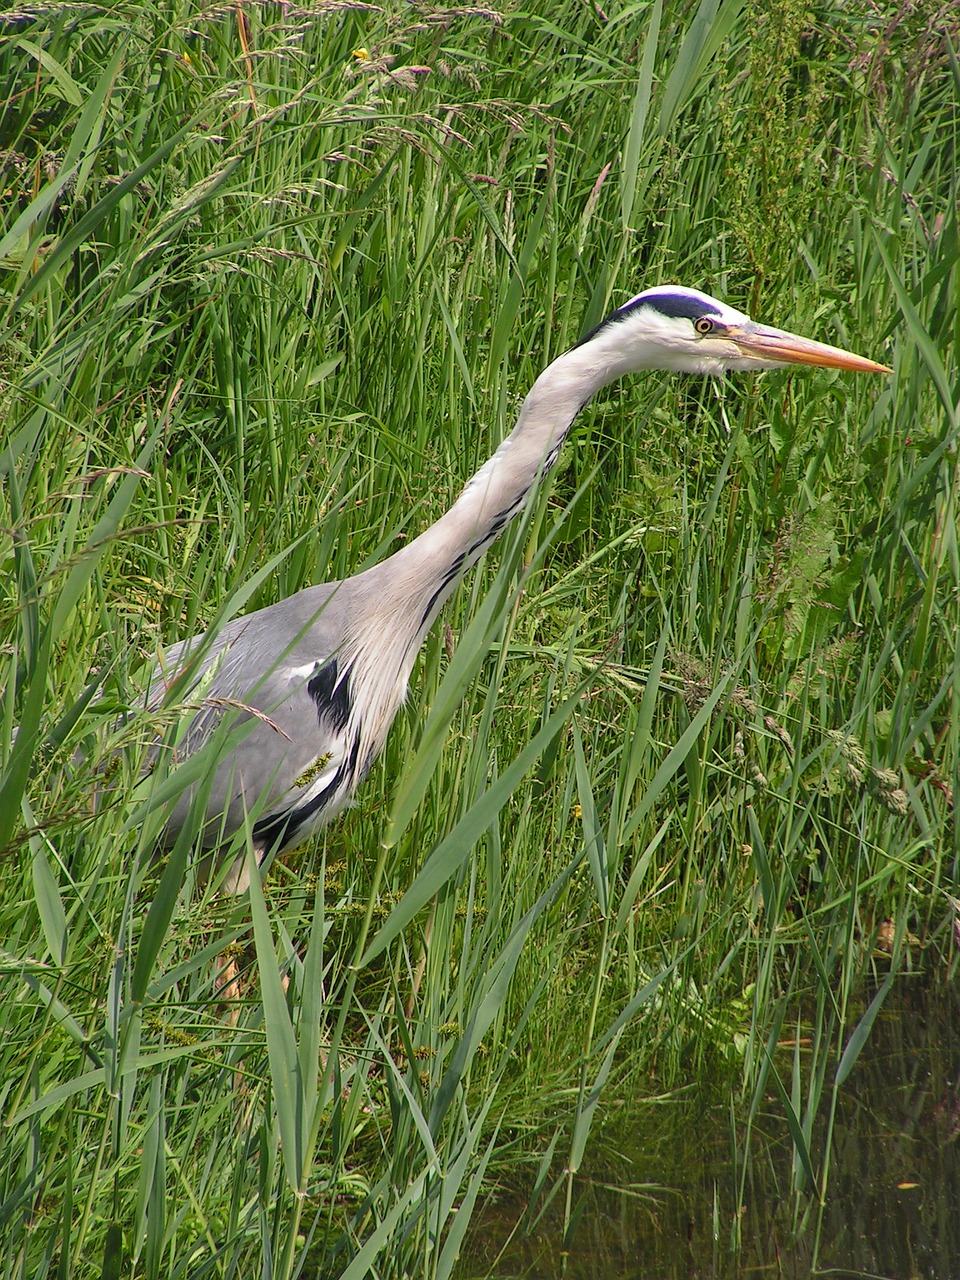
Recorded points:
(677,306)
(667,302)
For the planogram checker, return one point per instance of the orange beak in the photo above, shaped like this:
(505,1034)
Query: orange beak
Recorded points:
(779,347)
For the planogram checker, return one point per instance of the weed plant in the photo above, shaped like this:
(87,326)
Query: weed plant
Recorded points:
(677,775)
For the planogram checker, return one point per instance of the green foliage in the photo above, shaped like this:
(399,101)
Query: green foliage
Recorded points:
(681,772)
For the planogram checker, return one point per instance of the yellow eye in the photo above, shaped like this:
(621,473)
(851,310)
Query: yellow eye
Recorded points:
(704,325)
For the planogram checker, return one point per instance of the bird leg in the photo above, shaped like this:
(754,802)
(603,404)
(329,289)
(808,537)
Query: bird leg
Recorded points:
(229,987)
(227,983)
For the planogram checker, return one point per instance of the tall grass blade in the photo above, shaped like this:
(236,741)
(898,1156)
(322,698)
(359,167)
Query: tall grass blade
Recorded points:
(711,25)
(453,851)
(53,918)
(638,117)
(286,1084)
(861,1032)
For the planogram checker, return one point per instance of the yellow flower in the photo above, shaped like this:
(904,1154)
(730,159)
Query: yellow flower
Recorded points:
(362,55)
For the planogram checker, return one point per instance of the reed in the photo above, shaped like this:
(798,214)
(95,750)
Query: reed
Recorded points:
(675,784)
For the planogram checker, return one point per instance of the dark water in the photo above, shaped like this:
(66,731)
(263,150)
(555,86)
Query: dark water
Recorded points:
(675,1195)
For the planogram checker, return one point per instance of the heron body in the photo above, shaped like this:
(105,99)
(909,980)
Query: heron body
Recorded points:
(315,680)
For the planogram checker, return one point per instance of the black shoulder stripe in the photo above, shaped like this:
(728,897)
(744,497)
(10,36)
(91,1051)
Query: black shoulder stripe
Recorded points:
(331,692)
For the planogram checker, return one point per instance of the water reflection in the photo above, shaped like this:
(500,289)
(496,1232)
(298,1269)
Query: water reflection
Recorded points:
(663,1197)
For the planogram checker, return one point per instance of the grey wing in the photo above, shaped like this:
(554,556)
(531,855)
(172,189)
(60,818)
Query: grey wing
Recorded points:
(275,687)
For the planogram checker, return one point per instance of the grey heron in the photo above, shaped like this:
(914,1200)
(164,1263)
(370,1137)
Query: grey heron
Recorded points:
(316,679)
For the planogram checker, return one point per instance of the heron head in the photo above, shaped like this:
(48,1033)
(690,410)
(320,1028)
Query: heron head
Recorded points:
(672,327)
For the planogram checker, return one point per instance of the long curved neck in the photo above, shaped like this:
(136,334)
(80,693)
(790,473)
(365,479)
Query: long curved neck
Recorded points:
(439,557)
(394,603)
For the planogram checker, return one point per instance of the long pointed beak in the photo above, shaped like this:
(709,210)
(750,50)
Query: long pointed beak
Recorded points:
(779,347)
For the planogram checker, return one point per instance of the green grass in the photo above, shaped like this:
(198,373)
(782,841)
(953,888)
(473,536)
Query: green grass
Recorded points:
(679,775)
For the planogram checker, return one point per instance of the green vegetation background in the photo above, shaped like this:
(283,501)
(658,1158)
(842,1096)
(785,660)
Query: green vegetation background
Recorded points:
(676,781)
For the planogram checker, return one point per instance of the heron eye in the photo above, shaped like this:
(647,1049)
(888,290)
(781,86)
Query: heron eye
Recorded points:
(704,325)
